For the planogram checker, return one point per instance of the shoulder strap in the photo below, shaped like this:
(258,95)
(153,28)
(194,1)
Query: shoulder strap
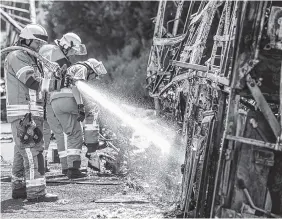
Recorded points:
(84,64)
(87,67)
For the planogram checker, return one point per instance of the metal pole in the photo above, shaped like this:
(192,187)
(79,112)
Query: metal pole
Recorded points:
(158,33)
(159,19)
(177,17)
(32,11)
(280,94)
(10,20)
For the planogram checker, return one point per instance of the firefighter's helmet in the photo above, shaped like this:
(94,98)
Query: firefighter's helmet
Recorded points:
(71,41)
(34,32)
(96,66)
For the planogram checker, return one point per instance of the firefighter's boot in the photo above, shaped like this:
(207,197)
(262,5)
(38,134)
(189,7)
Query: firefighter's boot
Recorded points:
(18,189)
(65,171)
(74,173)
(93,161)
(19,193)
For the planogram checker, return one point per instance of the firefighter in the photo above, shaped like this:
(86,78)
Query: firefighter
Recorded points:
(71,116)
(23,75)
(69,45)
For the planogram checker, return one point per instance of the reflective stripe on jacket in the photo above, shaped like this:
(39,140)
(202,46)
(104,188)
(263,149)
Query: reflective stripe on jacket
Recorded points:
(22,73)
(19,110)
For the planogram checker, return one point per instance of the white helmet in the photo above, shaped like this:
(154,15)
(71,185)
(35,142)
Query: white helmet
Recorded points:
(96,66)
(34,32)
(72,41)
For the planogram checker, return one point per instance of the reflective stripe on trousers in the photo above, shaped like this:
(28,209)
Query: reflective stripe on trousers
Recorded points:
(69,152)
(91,127)
(62,154)
(15,178)
(36,182)
(31,163)
(74,152)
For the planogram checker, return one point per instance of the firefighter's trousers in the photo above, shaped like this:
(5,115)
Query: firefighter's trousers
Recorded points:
(57,129)
(65,109)
(28,165)
(46,135)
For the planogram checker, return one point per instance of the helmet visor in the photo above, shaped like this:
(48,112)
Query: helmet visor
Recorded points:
(80,49)
(40,37)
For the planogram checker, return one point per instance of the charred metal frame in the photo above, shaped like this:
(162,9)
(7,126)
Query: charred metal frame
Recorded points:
(213,79)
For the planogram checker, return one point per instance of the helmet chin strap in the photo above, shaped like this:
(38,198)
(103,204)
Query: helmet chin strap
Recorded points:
(23,41)
(30,42)
(65,51)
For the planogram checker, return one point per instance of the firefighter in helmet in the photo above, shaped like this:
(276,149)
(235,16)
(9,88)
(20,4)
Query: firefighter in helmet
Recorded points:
(69,45)
(24,77)
(71,110)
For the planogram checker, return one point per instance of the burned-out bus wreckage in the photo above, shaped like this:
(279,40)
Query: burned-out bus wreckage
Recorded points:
(215,69)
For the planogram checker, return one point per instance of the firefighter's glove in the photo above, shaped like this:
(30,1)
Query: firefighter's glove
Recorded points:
(37,137)
(25,138)
(81,113)
(28,132)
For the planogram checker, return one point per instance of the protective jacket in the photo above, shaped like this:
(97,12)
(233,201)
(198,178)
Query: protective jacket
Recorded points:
(23,80)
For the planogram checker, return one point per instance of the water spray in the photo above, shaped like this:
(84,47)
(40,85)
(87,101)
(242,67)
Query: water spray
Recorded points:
(95,95)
